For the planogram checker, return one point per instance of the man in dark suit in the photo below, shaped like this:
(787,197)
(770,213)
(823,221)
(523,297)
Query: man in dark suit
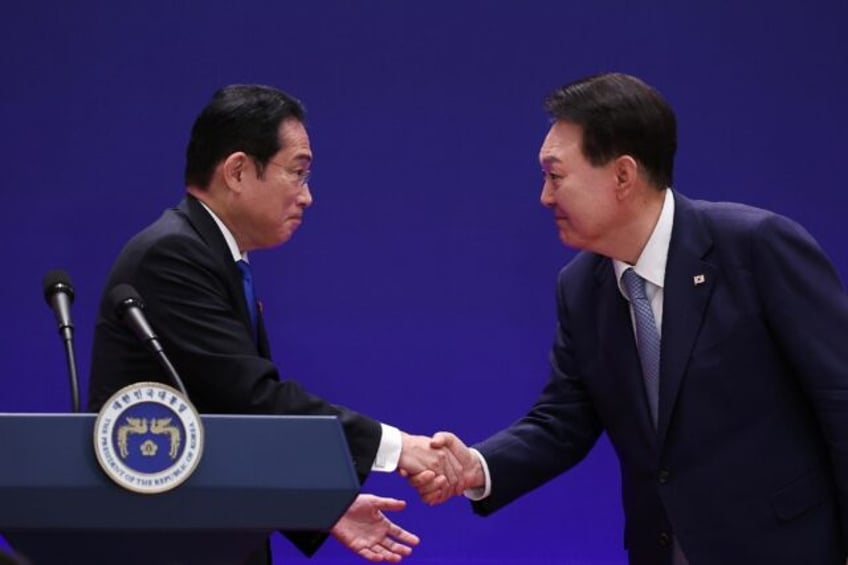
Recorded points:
(11,559)
(709,340)
(247,179)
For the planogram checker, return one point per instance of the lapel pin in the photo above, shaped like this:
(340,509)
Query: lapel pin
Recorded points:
(699,279)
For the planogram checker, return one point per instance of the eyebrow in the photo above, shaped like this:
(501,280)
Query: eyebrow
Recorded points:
(551,159)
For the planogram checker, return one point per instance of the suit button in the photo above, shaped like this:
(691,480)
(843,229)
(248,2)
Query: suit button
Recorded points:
(665,539)
(663,476)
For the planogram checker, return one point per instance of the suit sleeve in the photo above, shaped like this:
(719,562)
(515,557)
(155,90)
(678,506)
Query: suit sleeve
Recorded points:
(192,306)
(807,310)
(556,434)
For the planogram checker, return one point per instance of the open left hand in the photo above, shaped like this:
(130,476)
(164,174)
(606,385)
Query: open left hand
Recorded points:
(366,531)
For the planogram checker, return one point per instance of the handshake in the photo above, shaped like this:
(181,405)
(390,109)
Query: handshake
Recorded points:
(440,467)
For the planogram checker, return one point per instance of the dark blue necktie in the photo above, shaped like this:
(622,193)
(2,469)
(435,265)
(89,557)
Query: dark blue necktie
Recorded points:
(647,338)
(249,294)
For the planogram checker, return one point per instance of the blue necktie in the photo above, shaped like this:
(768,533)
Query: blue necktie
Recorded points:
(249,293)
(647,338)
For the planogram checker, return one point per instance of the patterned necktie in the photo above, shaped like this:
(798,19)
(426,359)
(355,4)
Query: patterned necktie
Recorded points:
(647,338)
(249,293)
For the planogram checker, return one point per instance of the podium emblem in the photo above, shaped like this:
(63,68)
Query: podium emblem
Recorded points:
(148,438)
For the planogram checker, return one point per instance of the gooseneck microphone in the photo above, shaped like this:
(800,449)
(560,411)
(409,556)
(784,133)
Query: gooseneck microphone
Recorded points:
(59,294)
(128,307)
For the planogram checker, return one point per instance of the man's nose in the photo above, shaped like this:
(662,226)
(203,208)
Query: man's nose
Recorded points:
(546,197)
(305,198)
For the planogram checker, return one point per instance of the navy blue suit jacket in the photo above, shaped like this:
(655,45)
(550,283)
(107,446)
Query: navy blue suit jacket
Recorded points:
(749,463)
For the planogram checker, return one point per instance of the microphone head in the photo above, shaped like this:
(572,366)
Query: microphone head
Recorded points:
(55,281)
(124,296)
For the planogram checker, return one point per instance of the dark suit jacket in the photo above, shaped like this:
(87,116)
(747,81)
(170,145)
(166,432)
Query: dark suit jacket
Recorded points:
(749,463)
(192,290)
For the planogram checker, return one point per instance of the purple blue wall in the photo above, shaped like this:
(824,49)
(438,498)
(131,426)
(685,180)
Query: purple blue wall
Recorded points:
(420,287)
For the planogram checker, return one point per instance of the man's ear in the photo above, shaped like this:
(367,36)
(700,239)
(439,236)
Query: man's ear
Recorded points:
(626,171)
(233,169)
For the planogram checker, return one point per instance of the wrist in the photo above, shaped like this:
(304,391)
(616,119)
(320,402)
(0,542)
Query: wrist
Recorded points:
(477,476)
(405,442)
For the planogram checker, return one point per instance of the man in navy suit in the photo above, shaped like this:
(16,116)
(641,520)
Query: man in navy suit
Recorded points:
(247,183)
(720,376)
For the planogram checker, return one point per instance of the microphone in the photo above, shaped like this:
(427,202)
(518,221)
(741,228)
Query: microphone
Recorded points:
(59,294)
(128,307)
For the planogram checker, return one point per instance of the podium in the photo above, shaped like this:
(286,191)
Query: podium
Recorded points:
(257,474)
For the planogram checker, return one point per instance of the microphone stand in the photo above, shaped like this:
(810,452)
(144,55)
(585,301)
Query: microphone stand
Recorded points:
(72,369)
(170,370)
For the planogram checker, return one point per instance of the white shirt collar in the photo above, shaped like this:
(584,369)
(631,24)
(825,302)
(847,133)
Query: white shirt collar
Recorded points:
(651,263)
(228,235)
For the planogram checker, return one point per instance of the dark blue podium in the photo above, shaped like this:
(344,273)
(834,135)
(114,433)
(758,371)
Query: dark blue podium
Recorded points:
(257,474)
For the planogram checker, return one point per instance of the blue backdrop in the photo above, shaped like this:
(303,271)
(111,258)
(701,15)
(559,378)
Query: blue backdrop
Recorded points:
(420,287)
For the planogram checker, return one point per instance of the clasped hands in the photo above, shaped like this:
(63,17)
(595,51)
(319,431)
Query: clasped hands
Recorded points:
(439,467)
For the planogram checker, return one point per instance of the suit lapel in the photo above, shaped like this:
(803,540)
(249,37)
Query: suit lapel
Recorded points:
(261,336)
(212,236)
(689,283)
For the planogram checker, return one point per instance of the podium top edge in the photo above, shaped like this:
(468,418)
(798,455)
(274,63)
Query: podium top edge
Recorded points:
(86,415)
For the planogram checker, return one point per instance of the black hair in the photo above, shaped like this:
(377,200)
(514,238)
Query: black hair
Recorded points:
(620,115)
(240,117)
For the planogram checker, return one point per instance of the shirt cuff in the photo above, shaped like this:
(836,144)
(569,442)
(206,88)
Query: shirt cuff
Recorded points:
(481,492)
(388,454)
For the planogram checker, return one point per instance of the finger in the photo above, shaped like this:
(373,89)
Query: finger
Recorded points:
(380,550)
(452,468)
(396,548)
(450,442)
(453,460)
(436,497)
(433,497)
(430,482)
(390,557)
(367,553)
(435,500)
(459,457)
(393,554)
(403,536)
(441,461)
(440,483)
(422,478)
(389,504)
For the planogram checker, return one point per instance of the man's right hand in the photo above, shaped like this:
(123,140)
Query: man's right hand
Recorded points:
(460,470)
(438,468)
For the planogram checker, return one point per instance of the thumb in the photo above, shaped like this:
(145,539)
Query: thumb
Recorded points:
(443,439)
